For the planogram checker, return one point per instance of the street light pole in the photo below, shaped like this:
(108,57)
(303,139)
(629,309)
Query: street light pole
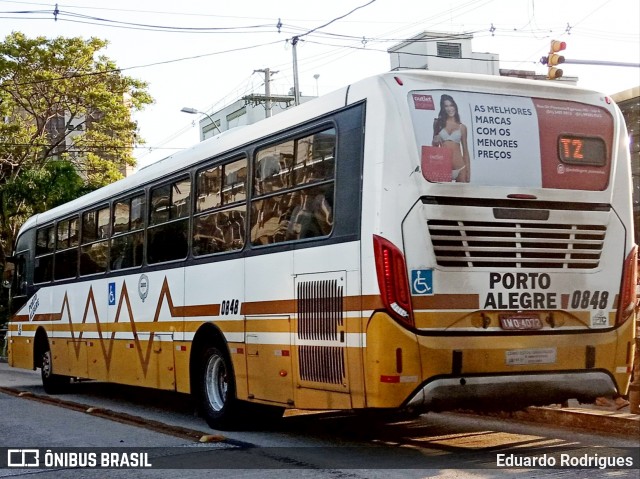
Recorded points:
(296,87)
(193,111)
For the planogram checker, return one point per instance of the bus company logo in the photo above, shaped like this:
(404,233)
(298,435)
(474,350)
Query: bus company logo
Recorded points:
(33,306)
(143,287)
(423,102)
(561,169)
(23,458)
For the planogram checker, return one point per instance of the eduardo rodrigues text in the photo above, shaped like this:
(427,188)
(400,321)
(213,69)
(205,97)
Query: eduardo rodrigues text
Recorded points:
(564,460)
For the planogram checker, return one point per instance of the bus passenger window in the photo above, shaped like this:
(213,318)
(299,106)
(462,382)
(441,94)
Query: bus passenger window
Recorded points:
(273,167)
(67,234)
(121,216)
(45,241)
(315,157)
(160,205)
(137,213)
(219,231)
(219,222)
(304,209)
(167,242)
(19,282)
(167,238)
(209,189)
(128,238)
(126,250)
(235,182)
(45,246)
(94,258)
(89,226)
(66,256)
(94,253)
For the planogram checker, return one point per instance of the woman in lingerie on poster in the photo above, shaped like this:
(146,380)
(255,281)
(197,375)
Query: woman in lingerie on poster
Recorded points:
(449,132)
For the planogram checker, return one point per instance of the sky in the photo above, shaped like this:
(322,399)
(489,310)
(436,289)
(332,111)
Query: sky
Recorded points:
(204,55)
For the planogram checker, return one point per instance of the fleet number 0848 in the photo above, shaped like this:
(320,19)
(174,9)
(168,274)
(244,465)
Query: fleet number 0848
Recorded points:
(231,306)
(589,299)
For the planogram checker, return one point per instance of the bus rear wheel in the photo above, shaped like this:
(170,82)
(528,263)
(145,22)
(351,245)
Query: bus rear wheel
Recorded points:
(52,383)
(217,401)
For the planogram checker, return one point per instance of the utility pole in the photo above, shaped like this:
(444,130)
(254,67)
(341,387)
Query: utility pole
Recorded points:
(267,89)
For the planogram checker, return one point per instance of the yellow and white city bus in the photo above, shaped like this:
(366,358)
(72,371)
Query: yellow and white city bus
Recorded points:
(415,240)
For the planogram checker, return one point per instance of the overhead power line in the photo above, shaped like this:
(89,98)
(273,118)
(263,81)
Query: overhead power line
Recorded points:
(164,62)
(63,15)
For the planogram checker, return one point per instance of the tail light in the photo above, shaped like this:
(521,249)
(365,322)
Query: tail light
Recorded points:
(392,279)
(627,303)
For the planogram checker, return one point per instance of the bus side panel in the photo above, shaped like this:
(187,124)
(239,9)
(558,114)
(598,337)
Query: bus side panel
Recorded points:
(393,363)
(20,348)
(625,351)
(181,357)
(268,312)
(143,346)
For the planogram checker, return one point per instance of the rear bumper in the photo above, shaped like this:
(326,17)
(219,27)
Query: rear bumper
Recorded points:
(511,391)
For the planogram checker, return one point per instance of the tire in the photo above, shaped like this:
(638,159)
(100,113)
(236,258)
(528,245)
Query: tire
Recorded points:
(53,383)
(217,392)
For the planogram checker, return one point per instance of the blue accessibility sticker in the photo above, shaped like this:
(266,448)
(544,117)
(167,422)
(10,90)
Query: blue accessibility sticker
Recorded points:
(112,294)
(422,281)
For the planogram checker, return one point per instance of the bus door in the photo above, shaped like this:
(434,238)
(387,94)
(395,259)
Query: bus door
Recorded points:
(321,338)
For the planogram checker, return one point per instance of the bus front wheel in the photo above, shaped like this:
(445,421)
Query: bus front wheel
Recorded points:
(218,403)
(53,383)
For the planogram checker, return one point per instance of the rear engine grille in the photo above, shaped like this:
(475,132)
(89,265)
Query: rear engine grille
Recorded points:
(319,309)
(322,364)
(516,245)
(320,316)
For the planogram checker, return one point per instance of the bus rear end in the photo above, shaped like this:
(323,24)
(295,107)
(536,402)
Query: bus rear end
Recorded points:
(508,271)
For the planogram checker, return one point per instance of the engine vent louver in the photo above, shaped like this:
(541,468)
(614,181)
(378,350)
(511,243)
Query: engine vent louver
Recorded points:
(320,314)
(516,244)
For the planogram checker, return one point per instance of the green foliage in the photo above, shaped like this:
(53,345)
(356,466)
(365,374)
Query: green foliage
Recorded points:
(65,124)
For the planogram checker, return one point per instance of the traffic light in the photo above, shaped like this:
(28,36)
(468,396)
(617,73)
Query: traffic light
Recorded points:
(553,59)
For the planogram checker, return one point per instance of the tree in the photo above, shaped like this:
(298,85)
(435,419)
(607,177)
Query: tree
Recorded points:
(65,124)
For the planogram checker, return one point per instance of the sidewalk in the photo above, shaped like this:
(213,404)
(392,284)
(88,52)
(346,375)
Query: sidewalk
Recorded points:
(606,416)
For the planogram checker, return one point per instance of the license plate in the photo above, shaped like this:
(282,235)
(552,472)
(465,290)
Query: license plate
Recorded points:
(520,322)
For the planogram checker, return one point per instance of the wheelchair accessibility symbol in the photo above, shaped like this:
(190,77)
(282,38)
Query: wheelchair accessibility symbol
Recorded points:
(422,281)
(112,294)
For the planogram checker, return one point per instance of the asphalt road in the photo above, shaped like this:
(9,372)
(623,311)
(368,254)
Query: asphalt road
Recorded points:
(95,416)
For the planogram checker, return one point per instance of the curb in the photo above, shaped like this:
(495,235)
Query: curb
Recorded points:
(607,421)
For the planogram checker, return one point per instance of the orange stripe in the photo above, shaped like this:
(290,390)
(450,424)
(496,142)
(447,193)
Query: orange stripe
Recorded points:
(289,306)
(269,307)
(197,310)
(22,318)
(286,306)
(447,301)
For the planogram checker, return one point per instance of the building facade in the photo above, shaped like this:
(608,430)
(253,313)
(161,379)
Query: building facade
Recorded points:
(438,51)
(629,103)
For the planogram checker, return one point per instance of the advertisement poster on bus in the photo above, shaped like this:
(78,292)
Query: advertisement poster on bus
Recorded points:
(505,140)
